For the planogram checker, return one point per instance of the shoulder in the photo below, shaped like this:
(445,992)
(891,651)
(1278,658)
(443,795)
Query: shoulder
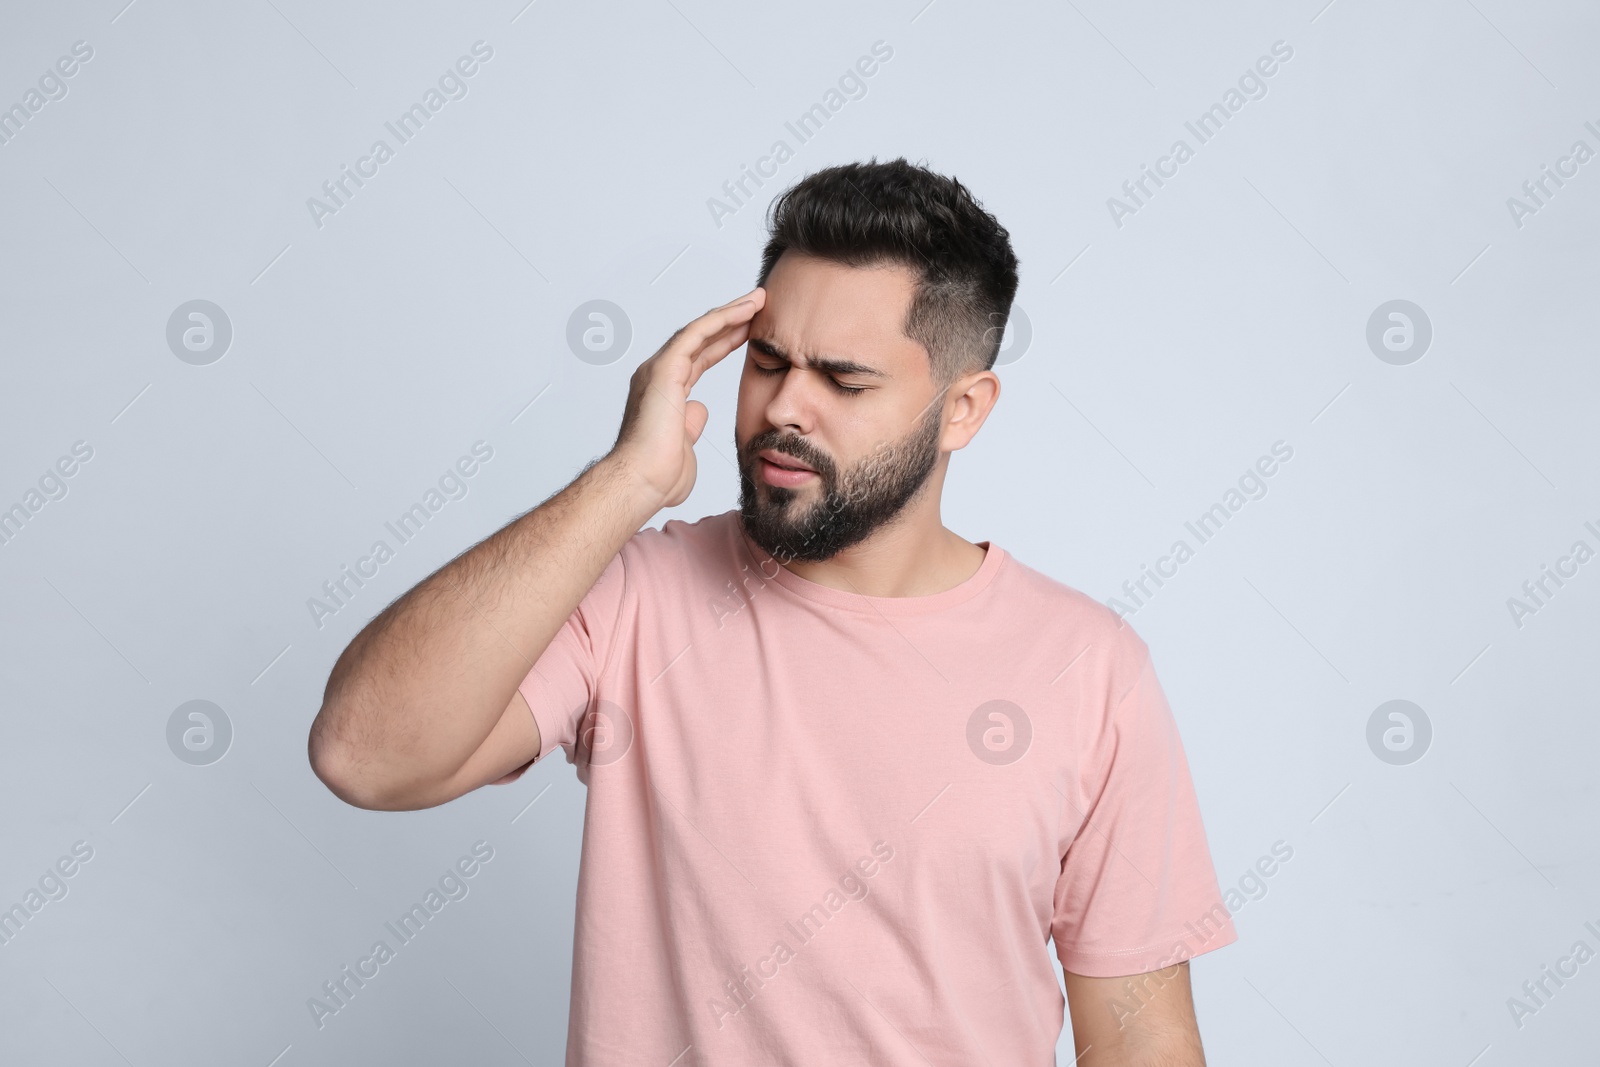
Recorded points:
(1065,613)
(662,566)
(680,548)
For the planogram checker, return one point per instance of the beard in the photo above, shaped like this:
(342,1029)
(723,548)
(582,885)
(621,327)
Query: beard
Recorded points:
(851,506)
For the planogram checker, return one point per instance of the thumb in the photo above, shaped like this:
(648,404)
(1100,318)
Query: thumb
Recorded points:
(694,419)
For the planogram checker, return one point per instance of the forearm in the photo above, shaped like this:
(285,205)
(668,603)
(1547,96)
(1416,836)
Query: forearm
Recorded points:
(421,686)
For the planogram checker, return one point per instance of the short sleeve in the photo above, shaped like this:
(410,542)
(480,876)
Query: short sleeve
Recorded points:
(1137,890)
(563,680)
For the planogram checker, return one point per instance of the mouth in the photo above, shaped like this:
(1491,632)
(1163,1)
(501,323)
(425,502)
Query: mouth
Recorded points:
(782,470)
(783,461)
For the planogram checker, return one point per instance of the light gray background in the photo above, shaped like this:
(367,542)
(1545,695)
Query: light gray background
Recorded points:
(1167,354)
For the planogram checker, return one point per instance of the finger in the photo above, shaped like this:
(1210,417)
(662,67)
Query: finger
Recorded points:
(719,339)
(699,346)
(740,299)
(695,335)
(715,349)
(695,416)
(698,363)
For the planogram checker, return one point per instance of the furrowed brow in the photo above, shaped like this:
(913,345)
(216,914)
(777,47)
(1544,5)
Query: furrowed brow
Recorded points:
(830,364)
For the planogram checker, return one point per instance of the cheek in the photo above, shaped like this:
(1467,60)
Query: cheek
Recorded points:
(756,391)
(748,402)
(748,417)
(751,383)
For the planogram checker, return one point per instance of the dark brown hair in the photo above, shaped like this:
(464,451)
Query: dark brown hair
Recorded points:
(864,214)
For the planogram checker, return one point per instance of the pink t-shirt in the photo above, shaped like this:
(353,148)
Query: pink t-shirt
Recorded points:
(829,828)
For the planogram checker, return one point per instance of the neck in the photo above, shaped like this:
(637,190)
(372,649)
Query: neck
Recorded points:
(914,555)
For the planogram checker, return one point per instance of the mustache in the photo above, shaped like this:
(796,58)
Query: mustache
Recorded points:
(823,464)
(793,446)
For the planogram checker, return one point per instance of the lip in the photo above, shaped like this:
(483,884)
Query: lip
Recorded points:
(784,461)
(782,477)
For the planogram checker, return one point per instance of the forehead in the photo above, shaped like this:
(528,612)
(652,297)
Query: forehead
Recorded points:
(816,307)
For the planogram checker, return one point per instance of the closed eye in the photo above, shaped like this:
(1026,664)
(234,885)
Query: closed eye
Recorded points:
(848,390)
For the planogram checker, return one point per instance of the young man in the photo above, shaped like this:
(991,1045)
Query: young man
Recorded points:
(848,773)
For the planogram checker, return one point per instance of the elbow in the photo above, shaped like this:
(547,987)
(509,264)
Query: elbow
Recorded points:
(346,783)
(335,767)
(333,770)
(358,779)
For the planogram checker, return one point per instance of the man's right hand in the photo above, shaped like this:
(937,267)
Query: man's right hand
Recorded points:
(660,424)
(425,703)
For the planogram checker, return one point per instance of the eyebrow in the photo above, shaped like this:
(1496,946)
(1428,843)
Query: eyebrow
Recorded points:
(831,364)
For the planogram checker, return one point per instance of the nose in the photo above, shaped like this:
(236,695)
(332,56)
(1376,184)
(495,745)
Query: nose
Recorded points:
(792,407)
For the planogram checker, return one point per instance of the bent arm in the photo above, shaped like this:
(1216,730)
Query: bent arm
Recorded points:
(422,705)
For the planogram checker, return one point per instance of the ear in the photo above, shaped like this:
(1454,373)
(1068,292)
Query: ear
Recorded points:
(970,399)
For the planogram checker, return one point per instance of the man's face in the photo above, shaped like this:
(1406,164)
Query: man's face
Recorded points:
(827,329)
